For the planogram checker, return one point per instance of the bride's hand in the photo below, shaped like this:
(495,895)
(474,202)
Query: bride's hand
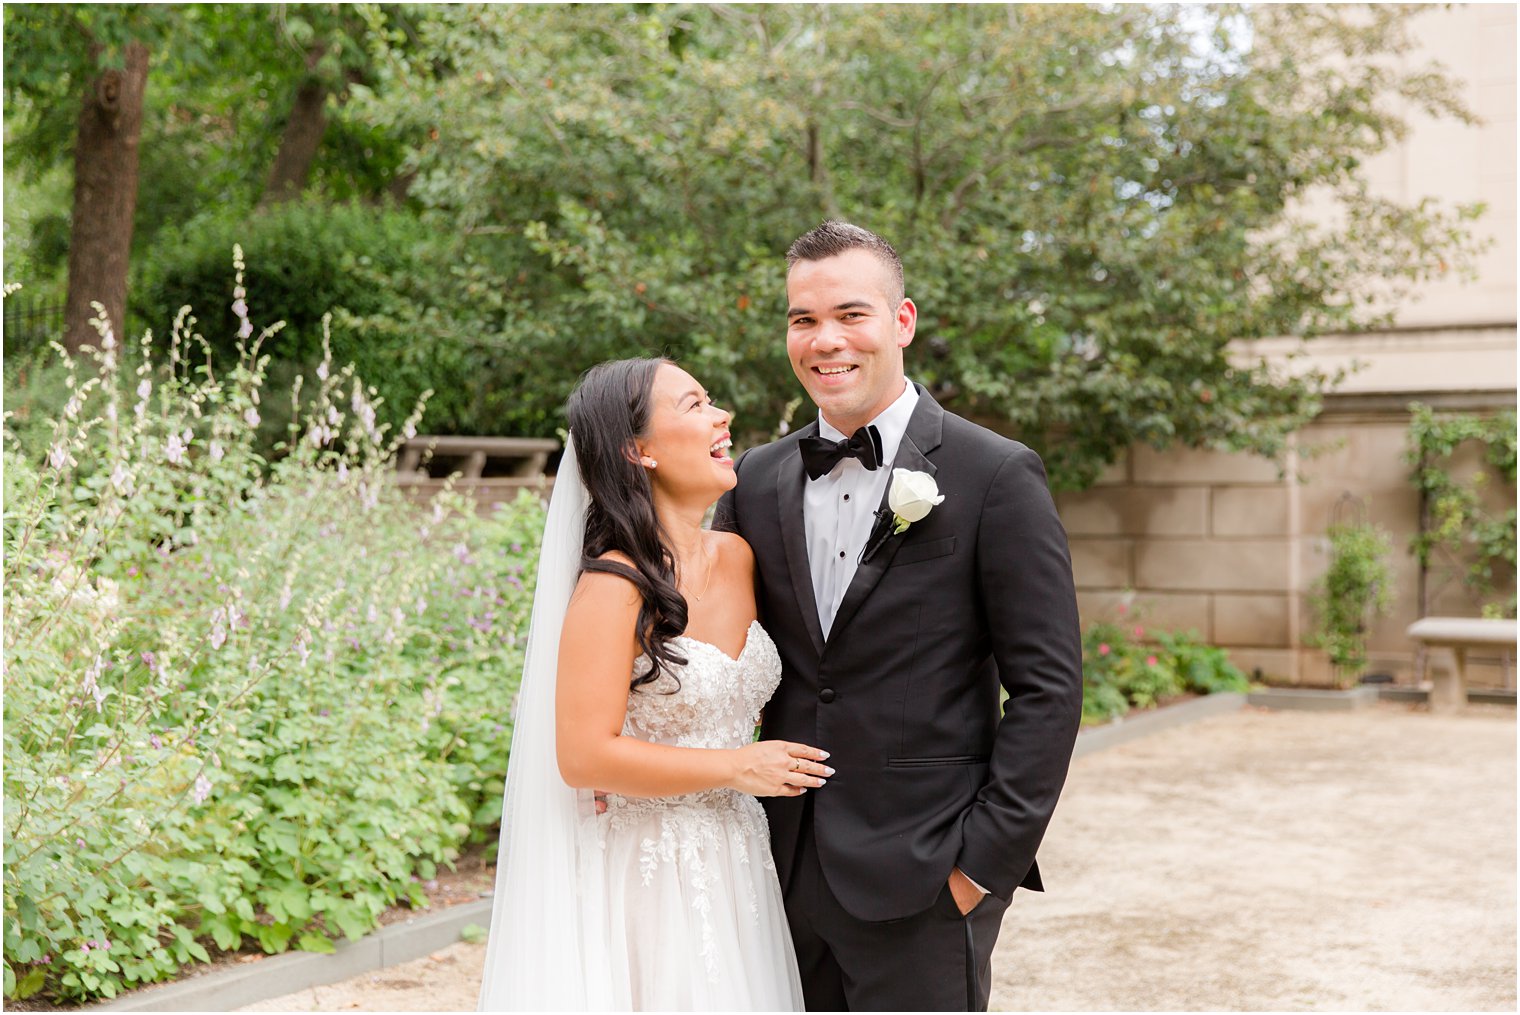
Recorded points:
(778,768)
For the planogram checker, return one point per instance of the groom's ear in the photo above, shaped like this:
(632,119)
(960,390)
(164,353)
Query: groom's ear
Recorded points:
(907,322)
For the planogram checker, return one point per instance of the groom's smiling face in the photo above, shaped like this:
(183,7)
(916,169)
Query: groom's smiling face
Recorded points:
(847,325)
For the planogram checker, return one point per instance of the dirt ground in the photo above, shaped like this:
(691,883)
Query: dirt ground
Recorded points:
(1257,860)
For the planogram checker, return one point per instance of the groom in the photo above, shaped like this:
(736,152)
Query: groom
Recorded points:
(895,643)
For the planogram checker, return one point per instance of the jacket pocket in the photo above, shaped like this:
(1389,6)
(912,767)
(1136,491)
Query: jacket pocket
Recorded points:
(924,551)
(950,759)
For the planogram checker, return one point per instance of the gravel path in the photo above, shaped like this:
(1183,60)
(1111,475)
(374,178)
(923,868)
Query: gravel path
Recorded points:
(1257,860)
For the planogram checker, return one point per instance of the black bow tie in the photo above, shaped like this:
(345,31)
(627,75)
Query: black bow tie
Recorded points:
(820,455)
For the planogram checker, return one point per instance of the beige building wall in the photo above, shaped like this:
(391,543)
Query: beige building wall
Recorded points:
(1231,545)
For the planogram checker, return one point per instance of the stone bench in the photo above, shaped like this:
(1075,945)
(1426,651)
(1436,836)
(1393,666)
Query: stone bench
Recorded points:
(515,463)
(1448,691)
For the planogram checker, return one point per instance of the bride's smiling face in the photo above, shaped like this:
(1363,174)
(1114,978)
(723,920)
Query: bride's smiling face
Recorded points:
(687,438)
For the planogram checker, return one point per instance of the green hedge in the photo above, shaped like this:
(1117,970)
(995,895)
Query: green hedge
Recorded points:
(245,703)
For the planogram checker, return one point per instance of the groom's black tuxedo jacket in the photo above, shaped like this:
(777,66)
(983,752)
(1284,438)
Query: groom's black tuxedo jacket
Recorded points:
(904,693)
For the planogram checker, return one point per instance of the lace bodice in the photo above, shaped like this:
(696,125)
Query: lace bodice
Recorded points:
(719,697)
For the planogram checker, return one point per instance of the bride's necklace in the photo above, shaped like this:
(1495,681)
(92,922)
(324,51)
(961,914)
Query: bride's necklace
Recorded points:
(708,580)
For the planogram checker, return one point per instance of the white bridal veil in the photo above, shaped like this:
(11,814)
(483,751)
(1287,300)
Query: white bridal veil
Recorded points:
(547,949)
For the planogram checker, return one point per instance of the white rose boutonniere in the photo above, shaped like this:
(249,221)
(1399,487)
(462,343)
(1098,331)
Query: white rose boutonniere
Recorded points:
(911,497)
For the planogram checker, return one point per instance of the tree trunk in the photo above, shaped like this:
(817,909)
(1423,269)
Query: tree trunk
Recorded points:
(105,197)
(301,139)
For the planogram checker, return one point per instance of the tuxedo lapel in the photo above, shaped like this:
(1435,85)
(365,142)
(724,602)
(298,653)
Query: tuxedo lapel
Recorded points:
(923,435)
(794,539)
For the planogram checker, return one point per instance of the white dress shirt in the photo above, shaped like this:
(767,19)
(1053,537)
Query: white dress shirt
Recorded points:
(838,509)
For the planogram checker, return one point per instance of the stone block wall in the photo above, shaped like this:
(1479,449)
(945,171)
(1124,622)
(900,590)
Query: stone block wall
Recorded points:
(1230,545)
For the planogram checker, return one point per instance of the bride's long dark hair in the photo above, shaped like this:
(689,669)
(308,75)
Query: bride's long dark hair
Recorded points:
(608,410)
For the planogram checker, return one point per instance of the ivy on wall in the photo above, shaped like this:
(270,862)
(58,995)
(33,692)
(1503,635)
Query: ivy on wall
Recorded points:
(1454,519)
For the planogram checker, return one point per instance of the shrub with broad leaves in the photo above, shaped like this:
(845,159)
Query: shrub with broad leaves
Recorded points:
(1125,666)
(248,702)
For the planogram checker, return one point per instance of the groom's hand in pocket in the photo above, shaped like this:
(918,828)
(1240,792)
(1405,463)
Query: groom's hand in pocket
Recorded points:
(967,895)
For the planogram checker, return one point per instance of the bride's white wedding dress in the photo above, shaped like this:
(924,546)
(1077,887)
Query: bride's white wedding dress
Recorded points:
(694,909)
(658,904)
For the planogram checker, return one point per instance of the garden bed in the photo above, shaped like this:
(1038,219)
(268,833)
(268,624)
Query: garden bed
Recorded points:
(471,880)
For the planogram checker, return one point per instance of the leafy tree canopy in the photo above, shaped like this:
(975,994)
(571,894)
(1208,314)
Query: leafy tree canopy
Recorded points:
(1092,202)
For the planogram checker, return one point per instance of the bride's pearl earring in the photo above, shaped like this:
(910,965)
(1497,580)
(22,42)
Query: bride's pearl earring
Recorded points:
(648,462)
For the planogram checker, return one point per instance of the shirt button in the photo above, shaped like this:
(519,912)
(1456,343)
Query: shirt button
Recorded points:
(841,554)
(826,695)
(846,496)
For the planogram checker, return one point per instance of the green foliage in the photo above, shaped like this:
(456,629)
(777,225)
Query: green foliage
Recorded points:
(247,704)
(1357,584)
(1092,202)
(310,259)
(1457,521)
(1121,670)
(222,82)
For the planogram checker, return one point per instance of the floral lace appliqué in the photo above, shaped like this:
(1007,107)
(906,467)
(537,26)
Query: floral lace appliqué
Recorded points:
(716,705)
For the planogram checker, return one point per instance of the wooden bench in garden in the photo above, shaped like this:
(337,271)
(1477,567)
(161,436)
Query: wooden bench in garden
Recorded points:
(493,469)
(1448,690)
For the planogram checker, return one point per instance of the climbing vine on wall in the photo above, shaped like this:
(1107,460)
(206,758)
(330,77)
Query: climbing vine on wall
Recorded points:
(1455,519)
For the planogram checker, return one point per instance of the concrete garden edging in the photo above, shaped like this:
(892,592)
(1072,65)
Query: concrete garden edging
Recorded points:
(277,975)
(1143,724)
(1303,699)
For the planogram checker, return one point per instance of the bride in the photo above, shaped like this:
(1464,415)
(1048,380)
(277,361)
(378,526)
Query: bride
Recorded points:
(644,677)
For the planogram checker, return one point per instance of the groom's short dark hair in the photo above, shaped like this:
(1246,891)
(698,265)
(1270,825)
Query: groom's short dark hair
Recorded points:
(834,237)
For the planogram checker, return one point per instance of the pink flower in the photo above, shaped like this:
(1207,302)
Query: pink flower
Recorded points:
(1139,631)
(1123,609)
(1103,649)
(202,788)
(1150,660)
